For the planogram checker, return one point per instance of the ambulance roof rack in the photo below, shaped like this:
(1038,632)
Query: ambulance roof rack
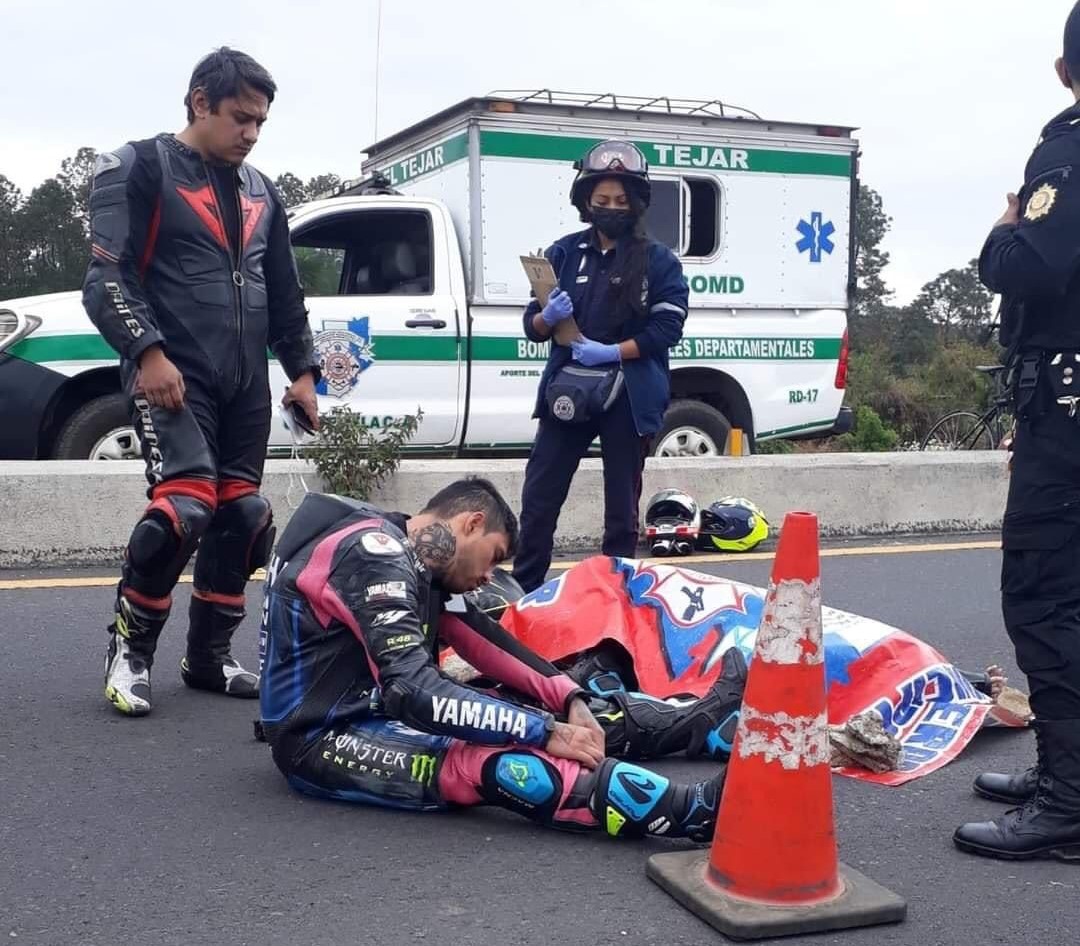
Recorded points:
(633,103)
(607,107)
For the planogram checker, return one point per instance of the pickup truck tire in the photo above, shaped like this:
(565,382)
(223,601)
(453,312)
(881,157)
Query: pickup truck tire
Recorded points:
(692,429)
(99,430)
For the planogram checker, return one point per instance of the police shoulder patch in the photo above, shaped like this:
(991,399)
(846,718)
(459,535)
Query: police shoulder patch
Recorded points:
(1040,203)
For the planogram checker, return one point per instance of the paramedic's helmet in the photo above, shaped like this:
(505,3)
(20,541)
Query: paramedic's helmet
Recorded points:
(672,521)
(495,596)
(618,159)
(733,524)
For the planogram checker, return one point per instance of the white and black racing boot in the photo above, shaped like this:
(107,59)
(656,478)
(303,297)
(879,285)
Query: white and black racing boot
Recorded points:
(133,637)
(209,665)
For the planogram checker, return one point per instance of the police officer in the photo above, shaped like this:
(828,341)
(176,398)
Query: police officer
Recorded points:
(628,296)
(1031,257)
(191,279)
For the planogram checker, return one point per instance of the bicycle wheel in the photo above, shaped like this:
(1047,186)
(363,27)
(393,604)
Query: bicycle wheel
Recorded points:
(960,430)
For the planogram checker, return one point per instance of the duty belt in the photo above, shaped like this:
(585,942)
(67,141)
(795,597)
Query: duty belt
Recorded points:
(1062,372)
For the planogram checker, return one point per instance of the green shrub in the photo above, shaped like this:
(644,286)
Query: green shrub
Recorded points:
(354,459)
(869,435)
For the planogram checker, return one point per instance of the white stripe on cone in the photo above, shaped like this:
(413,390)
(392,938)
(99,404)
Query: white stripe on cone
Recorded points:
(790,740)
(791,628)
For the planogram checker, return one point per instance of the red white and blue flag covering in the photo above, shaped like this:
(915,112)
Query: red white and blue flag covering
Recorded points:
(677,623)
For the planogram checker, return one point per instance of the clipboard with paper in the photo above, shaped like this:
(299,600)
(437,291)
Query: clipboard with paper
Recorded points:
(543,280)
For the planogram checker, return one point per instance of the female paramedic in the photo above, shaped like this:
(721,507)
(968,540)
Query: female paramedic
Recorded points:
(628,295)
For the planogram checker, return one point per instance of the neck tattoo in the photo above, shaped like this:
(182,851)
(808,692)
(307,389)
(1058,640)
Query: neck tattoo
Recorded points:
(436,545)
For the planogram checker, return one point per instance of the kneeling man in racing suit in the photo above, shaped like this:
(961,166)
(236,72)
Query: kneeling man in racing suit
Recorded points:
(355,707)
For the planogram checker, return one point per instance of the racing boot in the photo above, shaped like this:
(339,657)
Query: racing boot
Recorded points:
(604,670)
(208,664)
(637,726)
(1048,824)
(630,801)
(133,637)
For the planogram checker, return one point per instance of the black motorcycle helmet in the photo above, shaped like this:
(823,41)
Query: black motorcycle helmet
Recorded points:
(495,596)
(618,159)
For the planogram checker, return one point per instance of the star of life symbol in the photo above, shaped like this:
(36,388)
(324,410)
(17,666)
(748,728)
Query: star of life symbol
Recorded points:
(815,236)
(344,351)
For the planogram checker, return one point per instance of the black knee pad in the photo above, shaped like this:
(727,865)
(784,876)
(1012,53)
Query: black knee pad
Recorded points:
(237,542)
(162,542)
(522,782)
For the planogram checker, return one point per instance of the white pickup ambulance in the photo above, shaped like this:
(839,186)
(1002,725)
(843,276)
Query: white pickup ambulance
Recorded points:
(416,289)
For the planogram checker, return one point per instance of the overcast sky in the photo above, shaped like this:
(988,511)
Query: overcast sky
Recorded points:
(949,95)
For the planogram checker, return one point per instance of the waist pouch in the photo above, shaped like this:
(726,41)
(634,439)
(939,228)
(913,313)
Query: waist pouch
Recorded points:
(576,394)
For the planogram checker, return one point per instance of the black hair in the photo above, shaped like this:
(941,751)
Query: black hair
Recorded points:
(1071,44)
(223,74)
(626,291)
(475,494)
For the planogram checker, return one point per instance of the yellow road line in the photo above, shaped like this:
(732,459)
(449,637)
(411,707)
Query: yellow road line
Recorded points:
(825,553)
(23,584)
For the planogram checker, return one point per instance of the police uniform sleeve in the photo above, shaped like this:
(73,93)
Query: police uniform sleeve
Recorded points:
(374,593)
(1038,256)
(290,333)
(496,653)
(123,199)
(668,301)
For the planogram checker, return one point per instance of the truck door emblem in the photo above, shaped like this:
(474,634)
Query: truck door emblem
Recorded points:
(344,351)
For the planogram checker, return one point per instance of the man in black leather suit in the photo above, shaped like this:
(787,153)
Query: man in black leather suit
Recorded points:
(191,279)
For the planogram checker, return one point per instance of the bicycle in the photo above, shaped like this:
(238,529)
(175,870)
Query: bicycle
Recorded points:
(966,430)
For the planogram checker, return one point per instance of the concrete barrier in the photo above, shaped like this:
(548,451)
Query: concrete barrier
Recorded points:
(80,512)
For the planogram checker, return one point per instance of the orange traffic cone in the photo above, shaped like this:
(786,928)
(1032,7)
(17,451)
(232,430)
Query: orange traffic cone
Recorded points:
(773,869)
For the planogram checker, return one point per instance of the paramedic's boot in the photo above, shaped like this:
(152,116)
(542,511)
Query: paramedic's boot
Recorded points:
(630,801)
(1047,825)
(208,664)
(133,637)
(637,726)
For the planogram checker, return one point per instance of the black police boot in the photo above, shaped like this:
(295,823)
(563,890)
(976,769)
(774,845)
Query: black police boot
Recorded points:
(209,665)
(1015,789)
(133,637)
(1012,789)
(1047,825)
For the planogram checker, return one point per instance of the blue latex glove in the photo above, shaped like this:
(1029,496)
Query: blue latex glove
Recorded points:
(559,306)
(591,353)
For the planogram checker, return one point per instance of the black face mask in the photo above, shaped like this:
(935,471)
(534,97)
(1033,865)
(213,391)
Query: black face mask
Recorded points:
(612,223)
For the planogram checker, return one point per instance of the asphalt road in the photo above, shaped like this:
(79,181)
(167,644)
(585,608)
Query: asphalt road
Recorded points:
(177,829)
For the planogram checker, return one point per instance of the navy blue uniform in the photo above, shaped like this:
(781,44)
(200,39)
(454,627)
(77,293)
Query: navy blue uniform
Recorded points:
(626,429)
(1033,264)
